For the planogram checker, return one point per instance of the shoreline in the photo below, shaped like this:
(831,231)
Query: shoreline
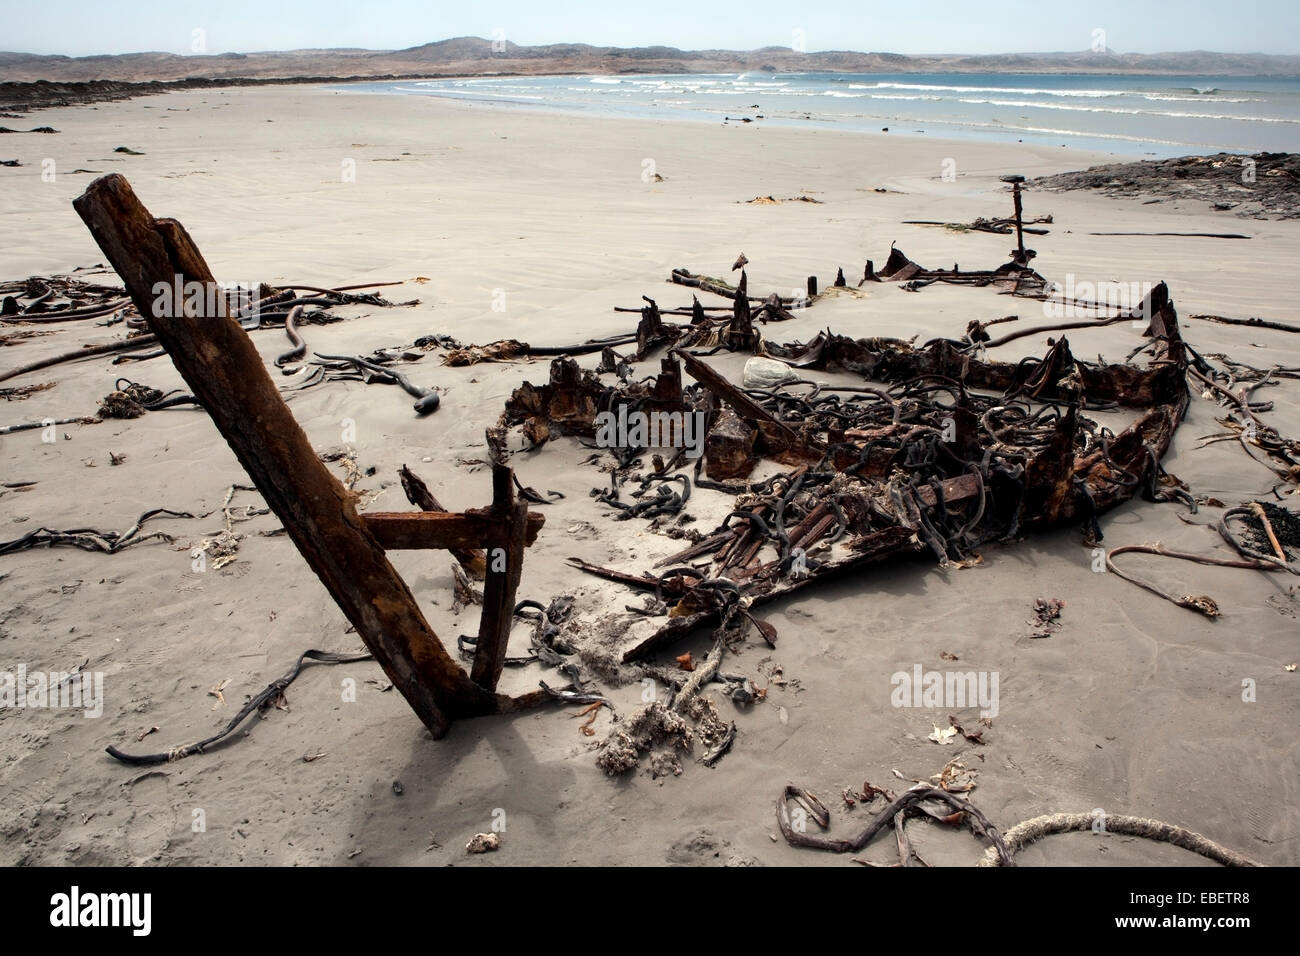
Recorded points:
(29,96)
(20,98)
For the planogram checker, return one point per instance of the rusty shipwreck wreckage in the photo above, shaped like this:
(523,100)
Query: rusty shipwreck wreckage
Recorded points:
(938,451)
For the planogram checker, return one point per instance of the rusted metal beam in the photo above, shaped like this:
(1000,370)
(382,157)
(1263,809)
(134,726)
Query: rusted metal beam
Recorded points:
(745,407)
(225,372)
(418,494)
(415,530)
(505,564)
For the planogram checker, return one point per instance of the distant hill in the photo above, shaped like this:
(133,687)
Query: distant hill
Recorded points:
(477,56)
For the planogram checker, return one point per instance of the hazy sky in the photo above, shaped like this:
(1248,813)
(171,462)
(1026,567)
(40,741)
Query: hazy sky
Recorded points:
(81,27)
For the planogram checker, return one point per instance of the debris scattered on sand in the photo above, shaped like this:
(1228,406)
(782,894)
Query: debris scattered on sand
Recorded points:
(930,450)
(652,726)
(1047,617)
(773,201)
(90,539)
(465,594)
(272,693)
(131,400)
(1259,186)
(217,692)
(997,226)
(483,843)
(942,735)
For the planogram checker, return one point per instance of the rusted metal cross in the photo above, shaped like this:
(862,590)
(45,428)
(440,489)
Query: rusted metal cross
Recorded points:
(344,548)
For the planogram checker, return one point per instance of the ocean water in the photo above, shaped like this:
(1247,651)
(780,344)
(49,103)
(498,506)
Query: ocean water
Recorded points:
(1131,115)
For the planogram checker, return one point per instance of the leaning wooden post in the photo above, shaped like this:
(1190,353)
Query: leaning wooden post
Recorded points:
(225,372)
(505,565)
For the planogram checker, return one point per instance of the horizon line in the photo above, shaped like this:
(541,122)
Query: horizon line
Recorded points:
(599,46)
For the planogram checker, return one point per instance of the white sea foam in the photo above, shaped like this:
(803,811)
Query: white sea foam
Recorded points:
(1120,111)
(892,96)
(1025,90)
(1079,132)
(1200,99)
(1024,104)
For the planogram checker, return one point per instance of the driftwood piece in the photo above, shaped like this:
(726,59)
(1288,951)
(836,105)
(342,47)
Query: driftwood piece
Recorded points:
(223,369)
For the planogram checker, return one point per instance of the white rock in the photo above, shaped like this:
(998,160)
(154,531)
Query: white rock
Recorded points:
(767,373)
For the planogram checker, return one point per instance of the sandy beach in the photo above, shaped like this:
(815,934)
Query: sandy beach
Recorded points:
(535,226)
